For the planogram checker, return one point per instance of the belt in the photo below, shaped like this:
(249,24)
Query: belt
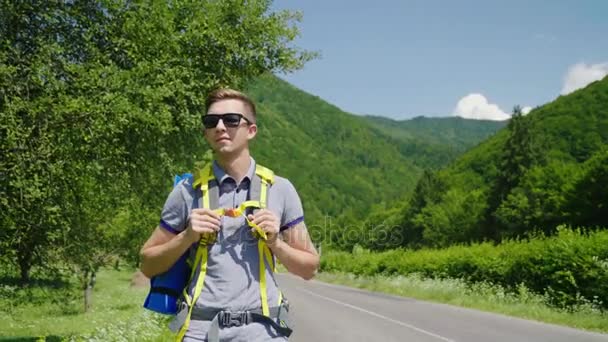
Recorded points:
(223,318)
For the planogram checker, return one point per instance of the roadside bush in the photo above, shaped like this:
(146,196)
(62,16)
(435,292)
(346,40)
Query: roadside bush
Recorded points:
(570,268)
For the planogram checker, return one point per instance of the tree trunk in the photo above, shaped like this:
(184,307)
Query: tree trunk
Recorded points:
(24,268)
(25,275)
(89,283)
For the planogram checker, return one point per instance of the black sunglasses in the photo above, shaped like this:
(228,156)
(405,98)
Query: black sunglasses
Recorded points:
(229,119)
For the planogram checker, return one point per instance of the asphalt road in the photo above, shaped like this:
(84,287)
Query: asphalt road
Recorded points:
(324,312)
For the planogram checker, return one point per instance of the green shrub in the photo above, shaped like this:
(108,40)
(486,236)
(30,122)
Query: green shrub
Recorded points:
(570,268)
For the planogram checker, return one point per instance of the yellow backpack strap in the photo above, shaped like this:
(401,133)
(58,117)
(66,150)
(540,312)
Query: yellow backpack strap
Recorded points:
(263,287)
(265,253)
(201,255)
(202,180)
(267,177)
(264,173)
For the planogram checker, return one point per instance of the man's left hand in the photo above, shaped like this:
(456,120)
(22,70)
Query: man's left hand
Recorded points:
(269,222)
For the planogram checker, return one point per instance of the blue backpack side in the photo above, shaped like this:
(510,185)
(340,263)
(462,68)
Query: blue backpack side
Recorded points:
(166,288)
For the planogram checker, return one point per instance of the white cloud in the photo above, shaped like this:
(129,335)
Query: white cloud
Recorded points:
(476,106)
(526,110)
(581,74)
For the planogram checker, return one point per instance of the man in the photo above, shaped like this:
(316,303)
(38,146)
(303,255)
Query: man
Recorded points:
(232,275)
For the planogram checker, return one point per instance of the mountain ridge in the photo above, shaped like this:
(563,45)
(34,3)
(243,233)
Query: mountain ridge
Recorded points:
(340,164)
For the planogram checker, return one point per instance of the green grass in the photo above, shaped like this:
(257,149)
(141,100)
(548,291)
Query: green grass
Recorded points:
(482,296)
(56,312)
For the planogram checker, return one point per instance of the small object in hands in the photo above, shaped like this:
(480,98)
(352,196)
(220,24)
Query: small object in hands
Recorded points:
(232,212)
(236,212)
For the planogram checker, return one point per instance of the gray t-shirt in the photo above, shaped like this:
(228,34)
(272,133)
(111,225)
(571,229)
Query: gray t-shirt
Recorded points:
(232,278)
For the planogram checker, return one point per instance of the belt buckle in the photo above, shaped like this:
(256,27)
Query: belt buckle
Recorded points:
(232,319)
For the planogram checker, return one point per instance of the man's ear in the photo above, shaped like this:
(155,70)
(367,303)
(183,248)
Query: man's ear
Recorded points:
(252,131)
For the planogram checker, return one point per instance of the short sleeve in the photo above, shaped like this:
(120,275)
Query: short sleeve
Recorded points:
(293,213)
(175,211)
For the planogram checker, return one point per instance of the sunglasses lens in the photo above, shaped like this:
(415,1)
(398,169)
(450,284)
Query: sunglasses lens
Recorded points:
(231,120)
(210,121)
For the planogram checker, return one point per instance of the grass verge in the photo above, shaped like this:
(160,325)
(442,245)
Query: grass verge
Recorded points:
(54,313)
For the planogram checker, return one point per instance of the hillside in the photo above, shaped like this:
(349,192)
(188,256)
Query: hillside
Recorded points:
(342,163)
(434,142)
(544,169)
(336,161)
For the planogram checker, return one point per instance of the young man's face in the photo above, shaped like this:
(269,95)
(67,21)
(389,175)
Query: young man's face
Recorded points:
(229,136)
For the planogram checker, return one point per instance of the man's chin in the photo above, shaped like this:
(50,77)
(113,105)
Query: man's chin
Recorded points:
(226,150)
(223,150)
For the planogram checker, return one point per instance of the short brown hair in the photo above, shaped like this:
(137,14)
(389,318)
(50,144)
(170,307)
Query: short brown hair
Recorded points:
(229,94)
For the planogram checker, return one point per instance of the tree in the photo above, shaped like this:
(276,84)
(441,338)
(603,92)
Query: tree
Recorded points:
(518,155)
(100,104)
(587,200)
(453,220)
(429,190)
(537,203)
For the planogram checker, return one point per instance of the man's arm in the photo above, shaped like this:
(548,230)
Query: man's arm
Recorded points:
(161,251)
(163,248)
(296,251)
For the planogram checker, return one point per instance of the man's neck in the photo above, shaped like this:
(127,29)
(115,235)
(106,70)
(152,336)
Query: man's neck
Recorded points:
(235,166)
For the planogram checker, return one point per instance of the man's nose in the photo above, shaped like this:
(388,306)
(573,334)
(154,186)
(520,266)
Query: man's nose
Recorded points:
(220,125)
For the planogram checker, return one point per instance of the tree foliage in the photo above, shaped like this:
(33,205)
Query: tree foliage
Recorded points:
(101,105)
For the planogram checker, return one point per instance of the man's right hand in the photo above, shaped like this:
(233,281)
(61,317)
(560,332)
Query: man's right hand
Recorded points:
(202,221)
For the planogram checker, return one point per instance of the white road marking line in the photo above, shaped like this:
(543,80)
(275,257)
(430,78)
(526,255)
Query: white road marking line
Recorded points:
(378,315)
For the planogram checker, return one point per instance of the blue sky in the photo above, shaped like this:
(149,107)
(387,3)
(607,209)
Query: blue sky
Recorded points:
(478,58)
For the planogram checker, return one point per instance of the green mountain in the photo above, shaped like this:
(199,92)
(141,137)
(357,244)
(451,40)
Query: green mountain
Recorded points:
(544,169)
(434,142)
(342,164)
(335,160)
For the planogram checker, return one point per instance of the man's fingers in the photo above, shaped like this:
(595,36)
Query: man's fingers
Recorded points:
(206,212)
(255,218)
(266,220)
(204,227)
(205,217)
(205,224)
(263,215)
(203,221)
